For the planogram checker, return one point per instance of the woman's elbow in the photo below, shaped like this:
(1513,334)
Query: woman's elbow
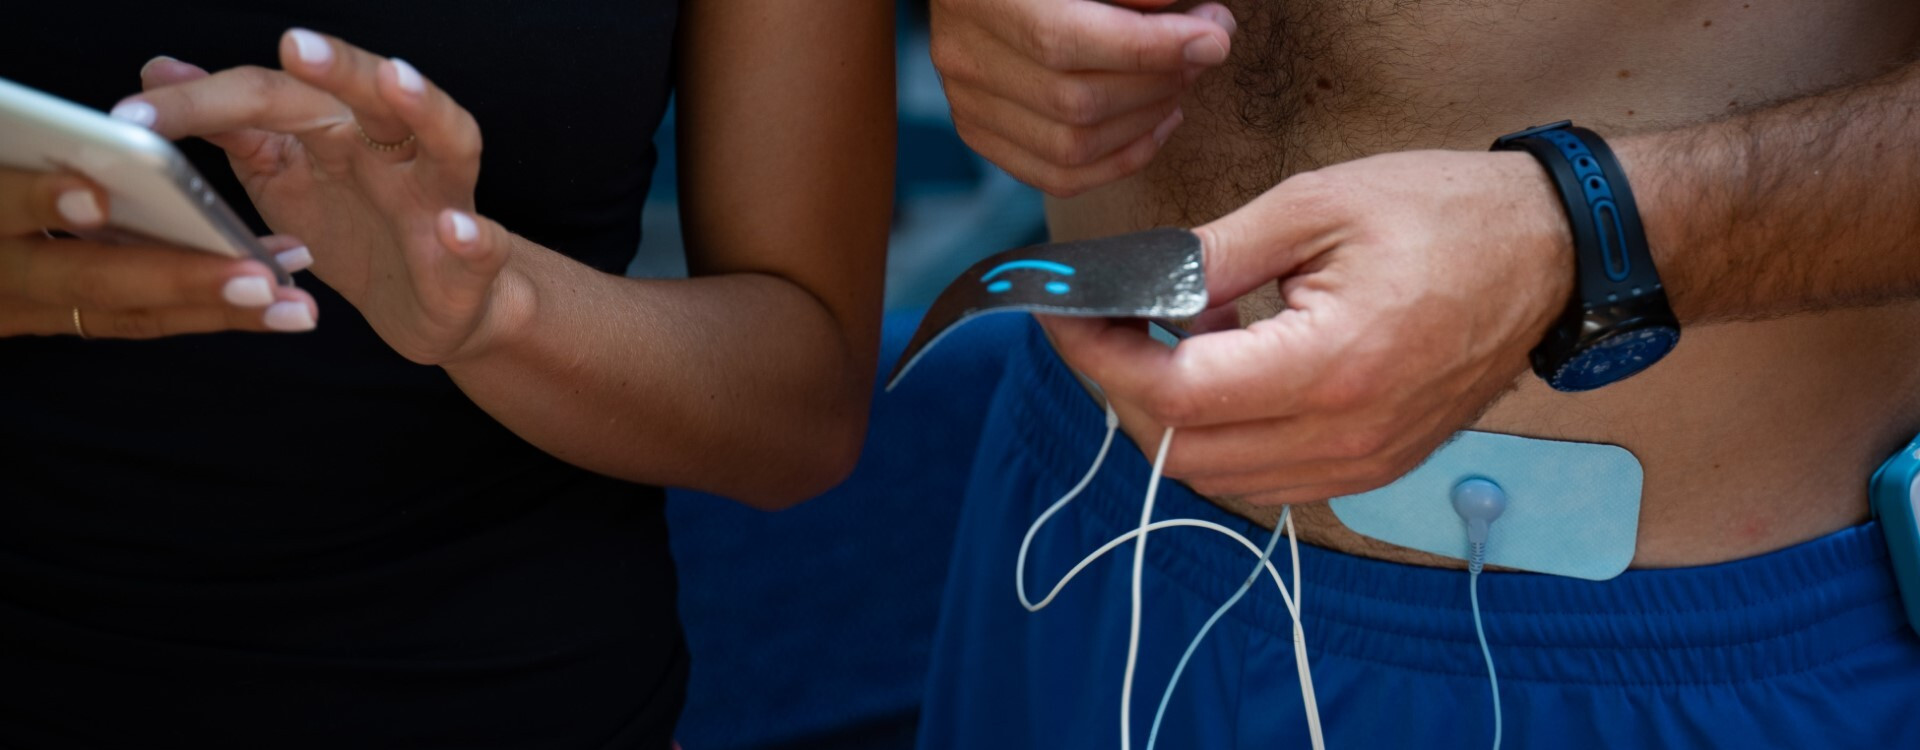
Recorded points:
(812,462)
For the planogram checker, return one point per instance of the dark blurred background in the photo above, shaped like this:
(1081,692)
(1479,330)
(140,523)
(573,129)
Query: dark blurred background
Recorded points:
(810,627)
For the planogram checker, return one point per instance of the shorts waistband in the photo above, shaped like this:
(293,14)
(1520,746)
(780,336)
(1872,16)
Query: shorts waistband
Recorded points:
(1780,613)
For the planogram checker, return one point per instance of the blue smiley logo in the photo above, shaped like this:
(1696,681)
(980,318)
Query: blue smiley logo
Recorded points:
(1055,287)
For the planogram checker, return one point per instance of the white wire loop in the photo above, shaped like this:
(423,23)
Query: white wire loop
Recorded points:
(1138,536)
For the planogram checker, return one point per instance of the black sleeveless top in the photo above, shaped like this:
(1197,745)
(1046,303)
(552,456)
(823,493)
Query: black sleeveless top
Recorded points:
(253,540)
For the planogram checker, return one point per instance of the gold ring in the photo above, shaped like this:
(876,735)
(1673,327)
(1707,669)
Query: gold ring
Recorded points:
(383,147)
(79,327)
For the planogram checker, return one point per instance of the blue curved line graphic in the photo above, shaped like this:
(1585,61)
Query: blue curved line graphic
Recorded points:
(1044,265)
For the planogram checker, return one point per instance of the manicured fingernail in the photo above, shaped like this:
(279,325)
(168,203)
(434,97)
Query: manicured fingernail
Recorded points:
(295,260)
(79,208)
(248,291)
(312,49)
(134,111)
(290,317)
(464,230)
(1165,129)
(407,77)
(1205,51)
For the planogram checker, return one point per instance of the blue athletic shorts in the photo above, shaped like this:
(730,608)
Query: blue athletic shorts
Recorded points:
(1802,648)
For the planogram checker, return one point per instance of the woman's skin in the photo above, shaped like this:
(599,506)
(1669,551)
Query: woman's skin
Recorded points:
(126,291)
(749,380)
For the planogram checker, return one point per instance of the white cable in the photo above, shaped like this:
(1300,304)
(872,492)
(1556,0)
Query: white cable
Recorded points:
(1493,678)
(1307,699)
(1139,535)
(1139,565)
(1170,523)
(1253,577)
(1020,564)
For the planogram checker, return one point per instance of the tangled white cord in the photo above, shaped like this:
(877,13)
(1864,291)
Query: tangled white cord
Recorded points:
(1139,537)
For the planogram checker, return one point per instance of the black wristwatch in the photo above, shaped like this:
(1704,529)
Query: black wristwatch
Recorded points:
(1618,322)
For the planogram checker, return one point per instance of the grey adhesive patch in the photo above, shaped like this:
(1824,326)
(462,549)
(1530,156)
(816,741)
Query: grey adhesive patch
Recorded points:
(1155,274)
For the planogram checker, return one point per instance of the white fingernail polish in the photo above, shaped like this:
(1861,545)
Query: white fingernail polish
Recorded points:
(136,112)
(248,291)
(297,259)
(289,317)
(310,47)
(79,208)
(408,78)
(464,229)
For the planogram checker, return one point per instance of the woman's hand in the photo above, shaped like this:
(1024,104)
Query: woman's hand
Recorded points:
(372,165)
(51,287)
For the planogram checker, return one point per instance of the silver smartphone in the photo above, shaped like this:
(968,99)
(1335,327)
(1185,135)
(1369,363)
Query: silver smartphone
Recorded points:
(156,194)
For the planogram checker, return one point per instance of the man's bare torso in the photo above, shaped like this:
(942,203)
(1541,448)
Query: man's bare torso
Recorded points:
(1754,435)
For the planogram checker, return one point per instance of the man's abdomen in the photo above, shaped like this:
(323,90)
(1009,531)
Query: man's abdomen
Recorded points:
(1754,435)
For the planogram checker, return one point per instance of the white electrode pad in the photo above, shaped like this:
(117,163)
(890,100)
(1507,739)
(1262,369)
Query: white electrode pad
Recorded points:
(1573,508)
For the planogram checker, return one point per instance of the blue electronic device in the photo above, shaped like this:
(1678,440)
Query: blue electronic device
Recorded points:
(1894,496)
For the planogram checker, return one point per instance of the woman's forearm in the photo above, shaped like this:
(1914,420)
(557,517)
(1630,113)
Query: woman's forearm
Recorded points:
(740,384)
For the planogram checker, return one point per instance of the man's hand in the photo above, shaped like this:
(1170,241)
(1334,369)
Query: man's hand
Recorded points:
(1067,95)
(1415,285)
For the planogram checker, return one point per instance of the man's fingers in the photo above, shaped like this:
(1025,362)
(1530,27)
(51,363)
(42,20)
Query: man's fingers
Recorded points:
(1348,445)
(1122,359)
(1267,370)
(1063,145)
(1269,237)
(1056,180)
(1222,317)
(1305,483)
(1097,36)
(985,64)
(32,201)
(1218,14)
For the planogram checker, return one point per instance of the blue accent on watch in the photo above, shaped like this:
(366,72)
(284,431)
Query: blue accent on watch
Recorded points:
(1599,194)
(1618,322)
(1606,361)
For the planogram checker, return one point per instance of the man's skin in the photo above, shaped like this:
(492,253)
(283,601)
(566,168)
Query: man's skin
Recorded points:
(1761,429)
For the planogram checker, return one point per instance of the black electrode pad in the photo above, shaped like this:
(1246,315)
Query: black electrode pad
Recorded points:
(1154,274)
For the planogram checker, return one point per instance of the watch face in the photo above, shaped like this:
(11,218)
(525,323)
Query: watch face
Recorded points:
(1616,358)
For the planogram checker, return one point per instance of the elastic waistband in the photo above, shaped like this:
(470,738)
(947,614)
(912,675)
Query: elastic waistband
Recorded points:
(1784,612)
